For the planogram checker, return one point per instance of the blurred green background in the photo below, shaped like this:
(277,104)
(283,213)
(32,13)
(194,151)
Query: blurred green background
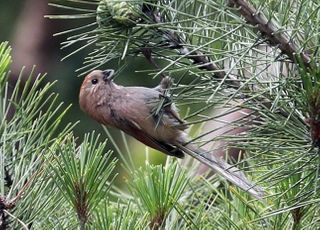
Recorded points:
(30,34)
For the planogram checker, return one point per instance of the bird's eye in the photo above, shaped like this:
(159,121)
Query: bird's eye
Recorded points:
(94,81)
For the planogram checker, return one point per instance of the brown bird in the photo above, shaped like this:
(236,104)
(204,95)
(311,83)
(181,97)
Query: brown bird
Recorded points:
(135,110)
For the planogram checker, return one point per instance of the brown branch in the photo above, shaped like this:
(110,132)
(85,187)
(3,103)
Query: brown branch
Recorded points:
(5,205)
(271,31)
(157,221)
(297,215)
(176,42)
(198,58)
(81,203)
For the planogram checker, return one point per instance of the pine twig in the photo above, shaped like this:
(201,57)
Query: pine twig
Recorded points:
(157,221)
(4,218)
(176,42)
(297,215)
(271,31)
(197,57)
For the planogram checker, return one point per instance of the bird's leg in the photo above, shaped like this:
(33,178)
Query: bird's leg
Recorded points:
(167,106)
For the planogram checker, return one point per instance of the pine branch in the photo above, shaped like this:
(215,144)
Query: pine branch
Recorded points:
(81,173)
(270,30)
(4,218)
(176,42)
(297,215)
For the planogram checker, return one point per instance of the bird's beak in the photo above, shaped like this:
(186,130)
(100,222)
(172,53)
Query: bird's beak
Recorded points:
(108,74)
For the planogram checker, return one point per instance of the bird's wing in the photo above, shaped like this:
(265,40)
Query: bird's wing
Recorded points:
(133,129)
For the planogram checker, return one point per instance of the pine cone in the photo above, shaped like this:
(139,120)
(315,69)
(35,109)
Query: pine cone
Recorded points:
(103,14)
(125,13)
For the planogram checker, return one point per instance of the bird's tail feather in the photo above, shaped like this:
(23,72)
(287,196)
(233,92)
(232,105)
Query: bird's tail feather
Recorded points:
(231,173)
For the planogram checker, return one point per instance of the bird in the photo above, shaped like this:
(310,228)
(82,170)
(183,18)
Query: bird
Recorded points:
(135,110)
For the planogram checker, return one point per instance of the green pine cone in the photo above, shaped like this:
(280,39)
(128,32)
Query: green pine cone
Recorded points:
(125,13)
(103,14)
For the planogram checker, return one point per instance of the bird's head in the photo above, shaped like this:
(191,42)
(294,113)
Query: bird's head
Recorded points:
(95,88)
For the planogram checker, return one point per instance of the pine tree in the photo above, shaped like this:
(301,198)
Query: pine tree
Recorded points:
(255,61)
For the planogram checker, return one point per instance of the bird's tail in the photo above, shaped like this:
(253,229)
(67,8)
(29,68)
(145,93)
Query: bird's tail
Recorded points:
(231,173)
